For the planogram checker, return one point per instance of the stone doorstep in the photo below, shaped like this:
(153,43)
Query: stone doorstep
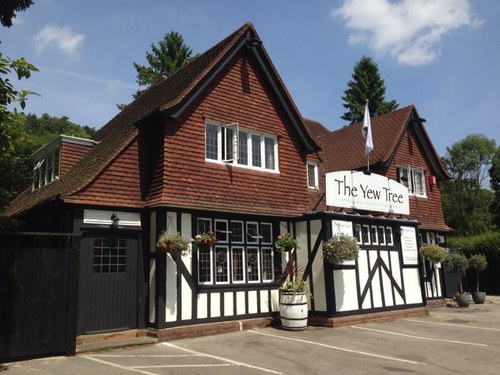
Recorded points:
(108,341)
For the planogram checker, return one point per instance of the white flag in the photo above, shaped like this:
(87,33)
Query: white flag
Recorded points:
(367,131)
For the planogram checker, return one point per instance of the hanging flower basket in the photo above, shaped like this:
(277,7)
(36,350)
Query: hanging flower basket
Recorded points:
(172,243)
(340,248)
(285,242)
(205,240)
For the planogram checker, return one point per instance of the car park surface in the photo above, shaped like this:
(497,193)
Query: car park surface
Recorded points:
(450,340)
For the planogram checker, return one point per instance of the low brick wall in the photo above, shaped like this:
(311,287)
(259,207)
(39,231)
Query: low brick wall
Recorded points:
(208,329)
(336,322)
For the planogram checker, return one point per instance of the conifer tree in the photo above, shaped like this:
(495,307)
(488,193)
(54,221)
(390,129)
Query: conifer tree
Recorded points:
(366,84)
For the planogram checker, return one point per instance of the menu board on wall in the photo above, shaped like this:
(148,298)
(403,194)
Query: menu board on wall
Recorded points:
(409,245)
(341,227)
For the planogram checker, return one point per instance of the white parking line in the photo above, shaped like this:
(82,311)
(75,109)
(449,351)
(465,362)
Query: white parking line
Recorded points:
(91,358)
(221,358)
(453,325)
(418,337)
(339,348)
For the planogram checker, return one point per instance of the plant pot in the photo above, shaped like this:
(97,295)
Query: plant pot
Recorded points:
(293,310)
(462,300)
(478,297)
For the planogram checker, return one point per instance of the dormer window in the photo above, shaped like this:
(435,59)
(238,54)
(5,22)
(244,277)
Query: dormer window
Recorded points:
(228,143)
(46,166)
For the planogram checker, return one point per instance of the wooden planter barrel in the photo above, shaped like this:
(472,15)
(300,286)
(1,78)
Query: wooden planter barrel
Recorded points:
(293,310)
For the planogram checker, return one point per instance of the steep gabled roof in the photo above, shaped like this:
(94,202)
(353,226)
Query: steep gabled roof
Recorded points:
(344,149)
(168,97)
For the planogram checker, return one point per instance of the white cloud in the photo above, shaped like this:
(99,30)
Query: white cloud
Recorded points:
(408,30)
(62,37)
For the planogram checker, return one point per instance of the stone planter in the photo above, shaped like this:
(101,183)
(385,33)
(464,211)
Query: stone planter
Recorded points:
(478,297)
(462,300)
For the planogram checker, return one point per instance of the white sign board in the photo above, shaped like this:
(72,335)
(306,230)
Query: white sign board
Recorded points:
(341,227)
(372,192)
(409,245)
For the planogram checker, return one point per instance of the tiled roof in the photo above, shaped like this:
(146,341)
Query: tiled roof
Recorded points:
(344,149)
(167,96)
(121,130)
(315,128)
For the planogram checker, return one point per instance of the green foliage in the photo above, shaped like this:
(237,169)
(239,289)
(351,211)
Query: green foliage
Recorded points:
(165,59)
(433,253)
(285,242)
(26,134)
(458,262)
(172,242)
(340,248)
(478,262)
(466,201)
(495,185)
(297,285)
(9,95)
(488,242)
(8,9)
(366,84)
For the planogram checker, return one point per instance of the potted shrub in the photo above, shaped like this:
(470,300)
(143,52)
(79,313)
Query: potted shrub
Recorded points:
(479,263)
(293,298)
(459,263)
(433,253)
(205,240)
(172,243)
(285,242)
(340,248)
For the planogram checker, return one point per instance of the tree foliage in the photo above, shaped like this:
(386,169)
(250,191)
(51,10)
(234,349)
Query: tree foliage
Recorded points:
(495,184)
(26,135)
(466,199)
(8,9)
(366,84)
(165,59)
(9,94)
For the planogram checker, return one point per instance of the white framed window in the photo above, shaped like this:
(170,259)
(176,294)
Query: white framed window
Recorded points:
(412,178)
(374,234)
(244,252)
(228,143)
(312,175)
(388,236)
(365,231)
(46,168)
(381,235)
(238,264)
(221,231)
(358,233)
(221,265)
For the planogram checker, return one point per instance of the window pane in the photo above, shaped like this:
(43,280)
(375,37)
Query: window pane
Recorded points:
(238,274)
(211,151)
(373,234)
(252,264)
(236,234)
(269,153)
(381,235)
(267,265)
(229,146)
(366,234)
(204,266)
(221,230)
(243,148)
(311,175)
(109,256)
(266,230)
(221,265)
(403,176)
(388,235)
(204,225)
(253,235)
(418,178)
(256,153)
(56,162)
(357,232)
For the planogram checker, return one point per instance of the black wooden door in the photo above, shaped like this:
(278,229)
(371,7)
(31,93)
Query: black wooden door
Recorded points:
(108,284)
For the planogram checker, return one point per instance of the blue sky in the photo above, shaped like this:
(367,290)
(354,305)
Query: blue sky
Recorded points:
(443,56)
